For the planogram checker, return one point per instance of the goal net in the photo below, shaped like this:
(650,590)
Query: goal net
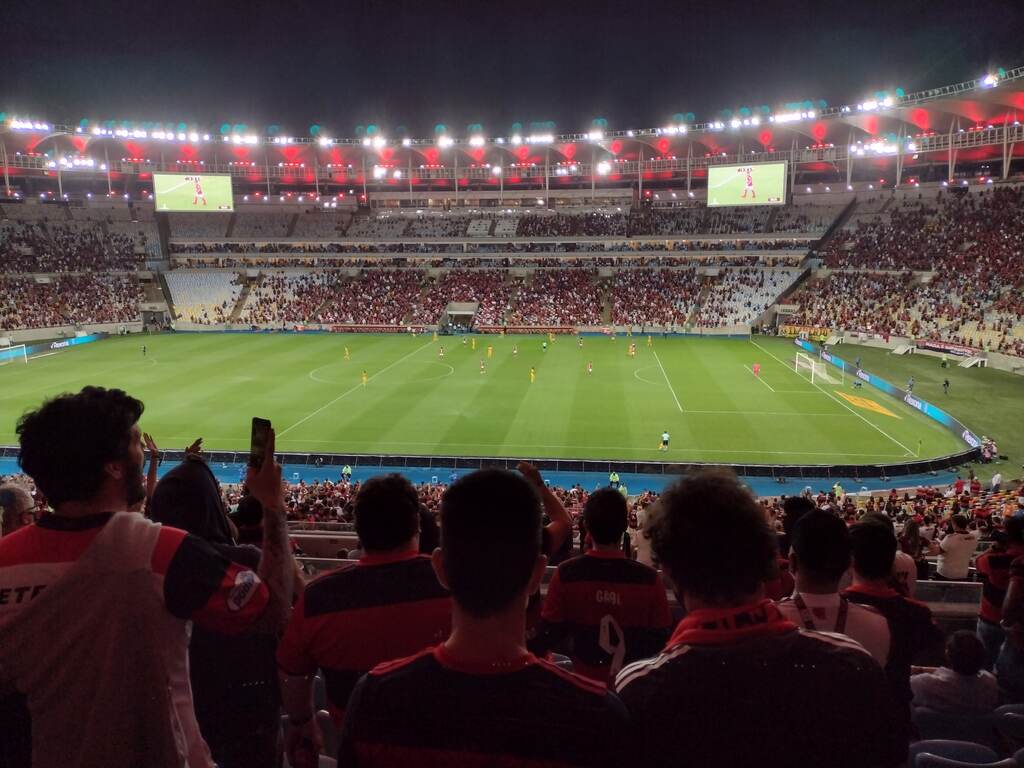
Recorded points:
(817,371)
(16,353)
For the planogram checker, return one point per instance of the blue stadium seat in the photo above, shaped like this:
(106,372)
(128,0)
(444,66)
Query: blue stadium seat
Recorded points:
(979,729)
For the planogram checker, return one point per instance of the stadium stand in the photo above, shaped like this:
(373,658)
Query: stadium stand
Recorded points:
(203,297)
(27,302)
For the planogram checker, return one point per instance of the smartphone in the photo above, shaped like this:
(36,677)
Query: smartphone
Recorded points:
(258,443)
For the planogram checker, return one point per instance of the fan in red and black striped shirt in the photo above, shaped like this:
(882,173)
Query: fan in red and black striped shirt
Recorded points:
(387,606)
(601,608)
(480,698)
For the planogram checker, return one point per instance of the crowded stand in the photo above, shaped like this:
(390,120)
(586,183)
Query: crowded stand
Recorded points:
(490,289)
(64,300)
(204,297)
(557,297)
(739,296)
(380,297)
(50,246)
(654,297)
(287,297)
(857,301)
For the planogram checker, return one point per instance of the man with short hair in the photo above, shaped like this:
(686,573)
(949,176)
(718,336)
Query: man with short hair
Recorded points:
(94,630)
(602,608)
(387,605)
(480,698)
(738,684)
(819,558)
(955,551)
(911,627)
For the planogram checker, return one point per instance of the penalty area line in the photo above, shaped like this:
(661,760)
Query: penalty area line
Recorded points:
(670,389)
(845,405)
(348,392)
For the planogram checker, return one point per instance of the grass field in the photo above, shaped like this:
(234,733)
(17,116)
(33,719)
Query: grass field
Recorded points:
(702,391)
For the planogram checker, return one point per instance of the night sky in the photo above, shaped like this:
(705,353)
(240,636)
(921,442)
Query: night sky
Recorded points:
(407,66)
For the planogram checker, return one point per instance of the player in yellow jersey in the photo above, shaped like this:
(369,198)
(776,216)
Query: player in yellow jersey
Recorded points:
(533,375)
(365,378)
(435,335)
(551,337)
(440,353)
(649,342)
(580,344)
(483,370)
(490,351)
(472,343)
(347,356)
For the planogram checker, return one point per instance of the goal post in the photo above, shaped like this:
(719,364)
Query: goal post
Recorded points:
(15,353)
(817,371)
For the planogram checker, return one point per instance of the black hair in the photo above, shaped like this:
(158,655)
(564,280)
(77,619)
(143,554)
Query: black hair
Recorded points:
(795,507)
(965,653)
(874,549)
(490,539)
(249,513)
(387,513)
(821,542)
(1014,527)
(713,537)
(605,515)
(66,443)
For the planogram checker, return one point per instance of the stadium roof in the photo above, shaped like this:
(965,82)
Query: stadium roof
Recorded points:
(973,121)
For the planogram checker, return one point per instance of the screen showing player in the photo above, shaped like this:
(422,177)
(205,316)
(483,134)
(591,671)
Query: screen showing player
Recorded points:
(192,192)
(754,184)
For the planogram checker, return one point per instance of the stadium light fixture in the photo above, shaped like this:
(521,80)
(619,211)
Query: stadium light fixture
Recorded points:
(595,135)
(540,138)
(324,141)
(379,141)
(734,123)
(367,141)
(604,168)
(499,140)
(379,172)
(193,137)
(445,141)
(990,81)
(397,174)
(476,141)
(517,139)
(406,142)
(496,170)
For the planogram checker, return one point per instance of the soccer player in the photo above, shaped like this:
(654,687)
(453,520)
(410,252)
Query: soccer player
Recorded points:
(515,350)
(551,337)
(650,343)
(490,351)
(143,350)
(365,378)
(435,335)
(483,370)
(945,382)
(664,441)
(910,384)
(748,185)
(580,340)
(544,346)
(480,697)
(533,375)
(347,355)
(440,353)
(465,340)
(603,608)
(757,369)
(472,343)
(590,367)
(199,194)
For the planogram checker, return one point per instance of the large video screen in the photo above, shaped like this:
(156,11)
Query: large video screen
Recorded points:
(192,192)
(755,184)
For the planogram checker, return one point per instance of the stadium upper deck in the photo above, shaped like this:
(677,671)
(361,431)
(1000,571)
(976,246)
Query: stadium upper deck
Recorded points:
(939,133)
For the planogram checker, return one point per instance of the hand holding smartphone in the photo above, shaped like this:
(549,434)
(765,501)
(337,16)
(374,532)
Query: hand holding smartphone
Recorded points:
(258,441)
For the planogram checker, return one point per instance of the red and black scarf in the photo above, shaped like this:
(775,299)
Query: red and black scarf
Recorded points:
(718,626)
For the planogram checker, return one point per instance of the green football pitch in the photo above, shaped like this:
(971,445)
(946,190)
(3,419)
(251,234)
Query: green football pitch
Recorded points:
(702,391)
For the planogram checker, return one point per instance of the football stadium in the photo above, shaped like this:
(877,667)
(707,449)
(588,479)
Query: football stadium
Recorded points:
(526,446)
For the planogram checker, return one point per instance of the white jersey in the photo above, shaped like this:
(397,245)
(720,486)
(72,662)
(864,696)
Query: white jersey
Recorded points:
(664,437)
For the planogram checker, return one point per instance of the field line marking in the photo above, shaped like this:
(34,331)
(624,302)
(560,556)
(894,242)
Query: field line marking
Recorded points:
(638,377)
(845,405)
(759,378)
(348,392)
(667,381)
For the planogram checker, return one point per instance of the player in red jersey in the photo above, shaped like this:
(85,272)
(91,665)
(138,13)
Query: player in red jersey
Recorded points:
(199,194)
(757,369)
(749,184)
